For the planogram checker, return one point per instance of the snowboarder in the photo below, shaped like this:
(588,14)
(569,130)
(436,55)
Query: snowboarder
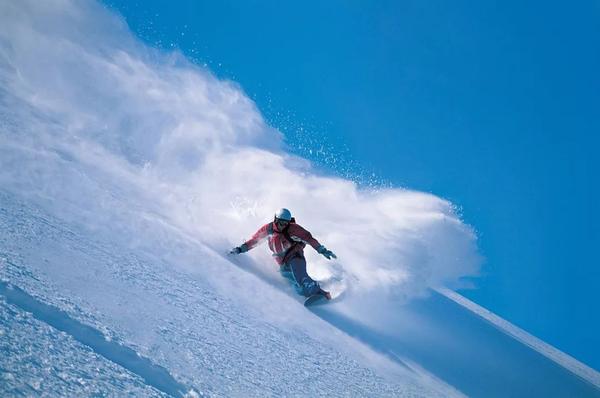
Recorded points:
(287,241)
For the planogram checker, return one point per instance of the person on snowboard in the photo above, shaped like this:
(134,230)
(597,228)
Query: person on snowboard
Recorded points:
(287,241)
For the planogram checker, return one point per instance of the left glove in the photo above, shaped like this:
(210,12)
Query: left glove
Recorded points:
(327,253)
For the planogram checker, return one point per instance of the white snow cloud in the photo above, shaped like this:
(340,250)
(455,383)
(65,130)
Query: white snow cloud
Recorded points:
(107,131)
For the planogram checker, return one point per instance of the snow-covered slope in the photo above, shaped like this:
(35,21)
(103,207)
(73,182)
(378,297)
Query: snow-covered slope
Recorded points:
(230,336)
(126,174)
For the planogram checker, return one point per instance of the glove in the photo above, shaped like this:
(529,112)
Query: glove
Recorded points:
(327,253)
(239,249)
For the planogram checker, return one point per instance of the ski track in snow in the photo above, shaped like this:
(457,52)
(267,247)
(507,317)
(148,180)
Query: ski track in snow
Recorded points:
(153,375)
(566,361)
(206,340)
(38,360)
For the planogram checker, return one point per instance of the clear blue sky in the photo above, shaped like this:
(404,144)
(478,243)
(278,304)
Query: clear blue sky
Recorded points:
(493,105)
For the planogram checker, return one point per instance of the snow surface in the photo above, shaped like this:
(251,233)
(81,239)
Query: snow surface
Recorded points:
(125,176)
(229,332)
(211,341)
(39,360)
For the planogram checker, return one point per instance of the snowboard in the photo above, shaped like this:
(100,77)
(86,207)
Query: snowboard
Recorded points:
(315,299)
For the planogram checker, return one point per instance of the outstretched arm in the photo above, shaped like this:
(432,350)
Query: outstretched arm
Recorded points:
(257,238)
(298,233)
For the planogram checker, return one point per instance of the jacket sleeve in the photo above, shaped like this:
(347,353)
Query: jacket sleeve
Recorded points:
(300,234)
(257,238)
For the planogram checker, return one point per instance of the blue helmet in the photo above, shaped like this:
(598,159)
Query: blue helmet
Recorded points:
(283,214)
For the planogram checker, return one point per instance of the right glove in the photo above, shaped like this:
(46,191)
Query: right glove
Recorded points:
(239,249)
(327,253)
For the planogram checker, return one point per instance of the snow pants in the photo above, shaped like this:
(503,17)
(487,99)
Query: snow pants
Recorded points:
(295,271)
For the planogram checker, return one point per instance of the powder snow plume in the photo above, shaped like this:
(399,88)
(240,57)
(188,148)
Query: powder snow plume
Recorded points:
(107,132)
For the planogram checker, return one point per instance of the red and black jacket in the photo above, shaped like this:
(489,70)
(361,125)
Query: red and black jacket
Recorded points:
(285,243)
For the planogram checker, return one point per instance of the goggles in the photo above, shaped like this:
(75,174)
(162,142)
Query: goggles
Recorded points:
(281,222)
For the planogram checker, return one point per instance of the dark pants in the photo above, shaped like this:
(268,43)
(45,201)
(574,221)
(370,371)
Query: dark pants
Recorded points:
(295,271)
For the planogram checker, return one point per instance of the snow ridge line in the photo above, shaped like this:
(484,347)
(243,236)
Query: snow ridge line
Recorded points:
(566,361)
(153,375)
